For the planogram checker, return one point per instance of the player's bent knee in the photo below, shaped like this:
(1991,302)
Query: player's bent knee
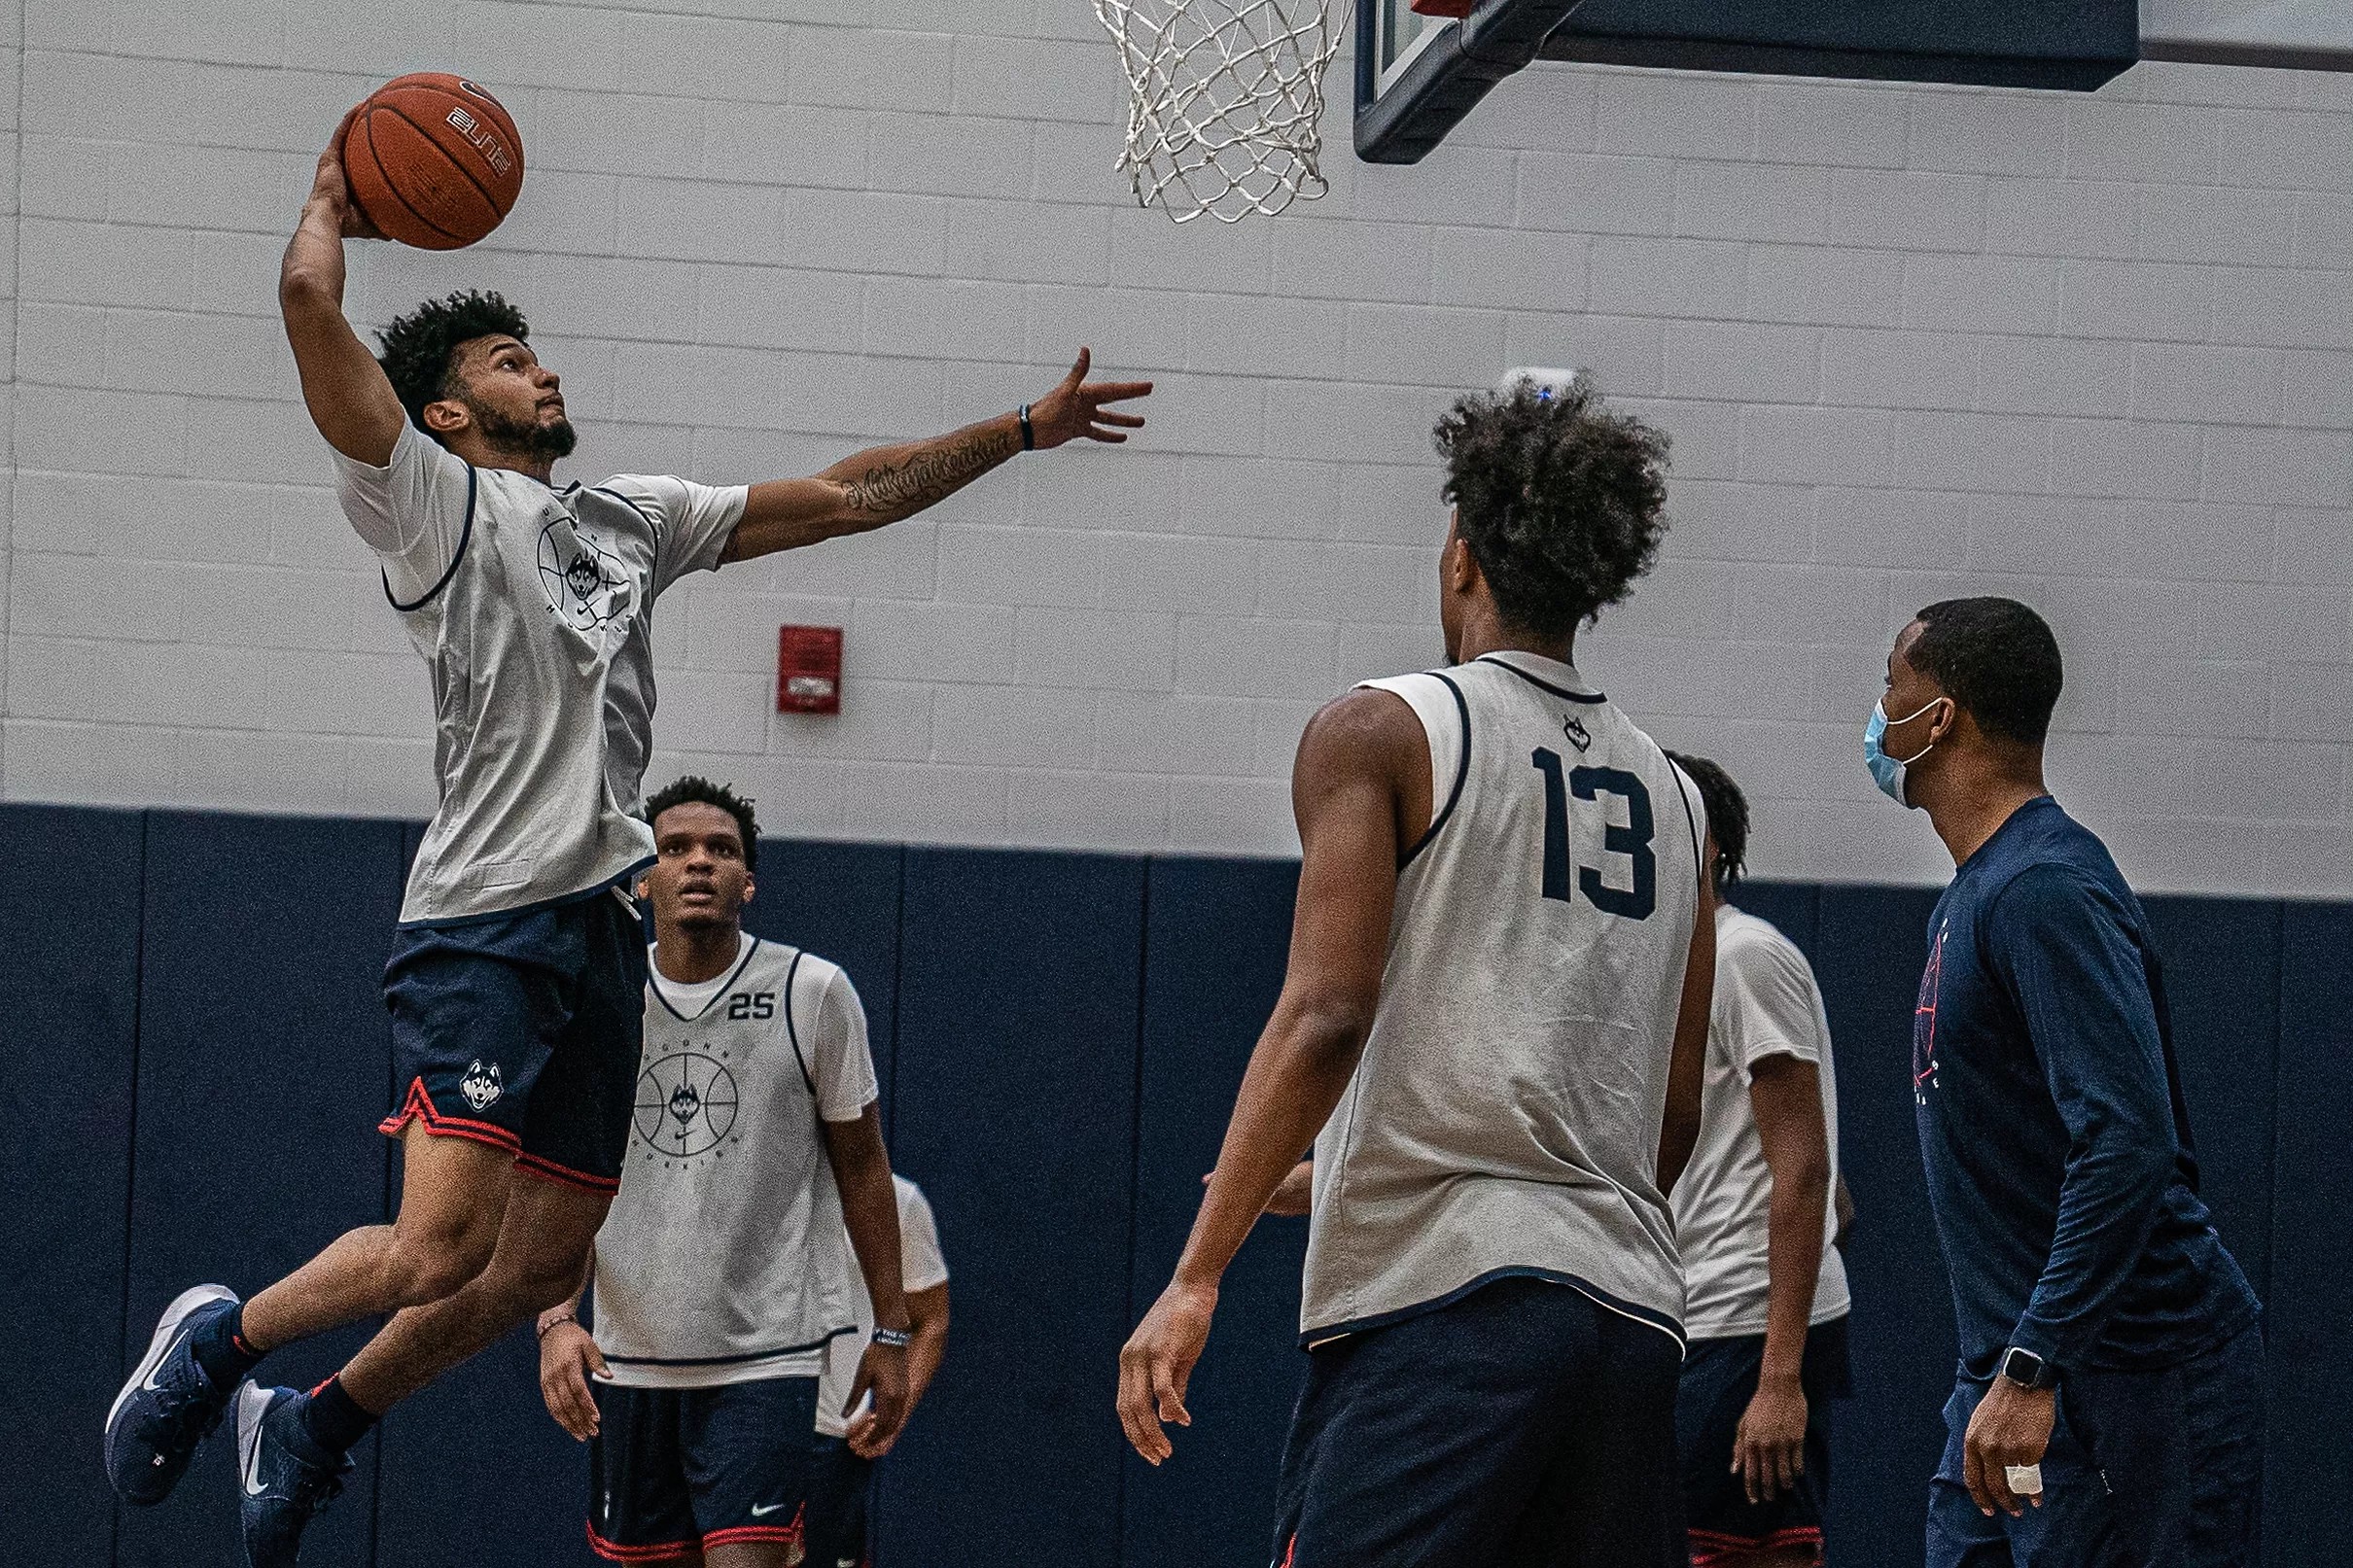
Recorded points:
(427,1268)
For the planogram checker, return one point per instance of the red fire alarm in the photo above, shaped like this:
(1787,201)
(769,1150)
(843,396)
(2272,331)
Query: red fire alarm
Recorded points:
(808,670)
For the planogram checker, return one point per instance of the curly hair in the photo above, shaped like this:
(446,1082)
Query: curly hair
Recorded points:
(420,349)
(1561,500)
(1727,816)
(694,790)
(1995,658)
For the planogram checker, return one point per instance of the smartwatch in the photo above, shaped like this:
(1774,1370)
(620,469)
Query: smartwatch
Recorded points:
(2028,1370)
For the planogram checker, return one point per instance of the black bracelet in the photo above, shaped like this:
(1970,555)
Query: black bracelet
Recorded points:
(1028,436)
(895,1339)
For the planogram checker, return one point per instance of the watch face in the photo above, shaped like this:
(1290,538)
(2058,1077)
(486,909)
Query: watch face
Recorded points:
(2022,1367)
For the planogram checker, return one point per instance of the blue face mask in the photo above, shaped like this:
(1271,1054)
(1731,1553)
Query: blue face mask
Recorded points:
(1885,771)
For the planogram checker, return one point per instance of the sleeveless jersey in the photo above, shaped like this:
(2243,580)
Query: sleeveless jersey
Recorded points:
(537,634)
(724,1258)
(1504,1119)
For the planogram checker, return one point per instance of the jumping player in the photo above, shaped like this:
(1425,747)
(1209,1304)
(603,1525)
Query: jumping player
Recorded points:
(517,975)
(1493,1028)
(2112,1353)
(722,1275)
(1757,1214)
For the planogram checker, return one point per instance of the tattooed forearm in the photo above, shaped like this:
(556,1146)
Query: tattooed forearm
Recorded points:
(930,473)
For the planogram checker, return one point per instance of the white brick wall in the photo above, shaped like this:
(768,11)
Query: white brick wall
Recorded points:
(2093,351)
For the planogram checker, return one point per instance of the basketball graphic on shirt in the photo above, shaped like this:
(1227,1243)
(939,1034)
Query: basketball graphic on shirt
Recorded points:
(583,580)
(686,1105)
(1923,1024)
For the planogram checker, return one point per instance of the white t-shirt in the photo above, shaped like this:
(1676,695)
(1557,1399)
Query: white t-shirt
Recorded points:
(1767,1004)
(921,1266)
(723,1259)
(532,608)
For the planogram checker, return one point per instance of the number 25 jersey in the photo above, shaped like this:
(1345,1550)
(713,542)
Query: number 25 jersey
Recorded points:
(1504,1119)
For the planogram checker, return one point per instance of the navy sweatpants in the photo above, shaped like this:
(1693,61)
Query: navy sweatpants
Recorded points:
(2145,1470)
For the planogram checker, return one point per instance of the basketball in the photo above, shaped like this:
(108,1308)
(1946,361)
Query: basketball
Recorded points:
(433,160)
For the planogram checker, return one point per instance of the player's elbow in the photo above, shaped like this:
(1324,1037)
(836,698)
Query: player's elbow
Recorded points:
(304,288)
(1327,1036)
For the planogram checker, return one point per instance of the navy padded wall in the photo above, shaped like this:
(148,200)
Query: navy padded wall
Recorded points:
(1868,955)
(1216,937)
(69,991)
(264,1063)
(2308,1471)
(840,901)
(2222,984)
(1793,908)
(1018,1012)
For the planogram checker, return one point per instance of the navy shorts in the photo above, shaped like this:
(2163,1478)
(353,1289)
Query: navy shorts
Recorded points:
(1525,1424)
(2145,1470)
(1719,1379)
(677,1470)
(522,1032)
(838,1506)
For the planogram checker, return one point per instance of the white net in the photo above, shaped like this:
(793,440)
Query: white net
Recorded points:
(1226,102)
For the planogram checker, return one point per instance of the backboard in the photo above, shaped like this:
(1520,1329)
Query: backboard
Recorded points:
(1416,75)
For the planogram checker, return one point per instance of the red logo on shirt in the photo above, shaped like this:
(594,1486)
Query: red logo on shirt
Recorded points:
(1924,1022)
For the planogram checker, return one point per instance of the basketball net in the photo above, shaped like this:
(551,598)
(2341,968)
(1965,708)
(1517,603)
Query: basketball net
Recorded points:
(1226,101)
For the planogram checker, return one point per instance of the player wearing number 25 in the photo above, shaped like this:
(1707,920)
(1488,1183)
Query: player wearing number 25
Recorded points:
(2107,1336)
(1493,1028)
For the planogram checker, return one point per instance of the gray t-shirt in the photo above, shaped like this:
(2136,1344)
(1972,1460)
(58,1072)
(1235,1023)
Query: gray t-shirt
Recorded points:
(724,1258)
(533,610)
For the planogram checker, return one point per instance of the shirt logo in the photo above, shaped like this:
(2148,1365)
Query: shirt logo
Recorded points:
(482,1086)
(686,1105)
(1923,1024)
(1578,736)
(584,583)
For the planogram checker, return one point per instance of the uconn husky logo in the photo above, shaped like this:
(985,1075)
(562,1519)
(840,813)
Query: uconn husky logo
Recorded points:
(482,1086)
(686,1104)
(584,584)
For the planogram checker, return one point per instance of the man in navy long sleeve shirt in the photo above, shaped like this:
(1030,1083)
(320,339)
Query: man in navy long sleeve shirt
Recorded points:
(2111,1350)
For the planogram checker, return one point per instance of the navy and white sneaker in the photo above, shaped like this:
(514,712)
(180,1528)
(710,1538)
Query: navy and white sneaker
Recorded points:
(169,1405)
(283,1477)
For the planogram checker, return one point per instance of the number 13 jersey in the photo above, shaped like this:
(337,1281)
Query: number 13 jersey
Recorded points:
(1504,1119)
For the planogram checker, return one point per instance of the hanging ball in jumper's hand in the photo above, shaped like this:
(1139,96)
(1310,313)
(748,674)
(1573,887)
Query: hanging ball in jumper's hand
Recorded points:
(433,160)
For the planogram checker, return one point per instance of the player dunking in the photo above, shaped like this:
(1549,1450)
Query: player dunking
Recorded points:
(516,977)
(1493,1028)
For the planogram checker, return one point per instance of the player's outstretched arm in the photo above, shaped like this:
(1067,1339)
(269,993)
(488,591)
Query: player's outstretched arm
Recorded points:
(870,1211)
(885,484)
(350,398)
(1346,789)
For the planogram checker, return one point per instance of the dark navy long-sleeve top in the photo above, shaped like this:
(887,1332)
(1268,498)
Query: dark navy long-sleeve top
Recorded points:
(2060,1161)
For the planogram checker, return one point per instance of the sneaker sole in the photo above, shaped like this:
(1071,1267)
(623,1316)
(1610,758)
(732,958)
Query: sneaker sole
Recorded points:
(167,1329)
(253,1404)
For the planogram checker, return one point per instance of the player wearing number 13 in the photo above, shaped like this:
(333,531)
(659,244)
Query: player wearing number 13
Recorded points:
(1493,1027)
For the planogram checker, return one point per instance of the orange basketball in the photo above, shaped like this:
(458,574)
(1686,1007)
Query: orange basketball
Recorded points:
(433,160)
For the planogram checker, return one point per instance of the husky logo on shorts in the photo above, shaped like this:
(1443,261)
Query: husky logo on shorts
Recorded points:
(482,1086)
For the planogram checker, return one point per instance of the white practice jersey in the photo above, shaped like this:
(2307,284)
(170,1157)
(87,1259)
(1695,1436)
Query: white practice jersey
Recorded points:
(1767,1004)
(1505,1117)
(921,1266)
(533,608)
(724,1258)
